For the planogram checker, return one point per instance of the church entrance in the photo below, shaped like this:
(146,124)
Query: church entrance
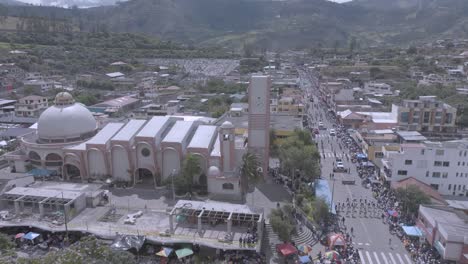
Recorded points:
(72,173)
(145,178)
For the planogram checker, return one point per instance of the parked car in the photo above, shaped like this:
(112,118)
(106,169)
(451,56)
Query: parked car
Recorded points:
(332,132)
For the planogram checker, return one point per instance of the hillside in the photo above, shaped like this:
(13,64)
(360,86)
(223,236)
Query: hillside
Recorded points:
(271,25)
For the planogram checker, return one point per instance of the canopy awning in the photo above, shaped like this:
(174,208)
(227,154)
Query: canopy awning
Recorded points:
(165,252)
(286,249)
(31,236)
(412,231)
(322,190)
(184,252)
(392,213)
(305,259)
(361,156)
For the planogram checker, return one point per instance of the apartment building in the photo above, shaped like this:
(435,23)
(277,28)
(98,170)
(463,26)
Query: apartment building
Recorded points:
(442,165)
(427,114)
(31,106)
(286,105)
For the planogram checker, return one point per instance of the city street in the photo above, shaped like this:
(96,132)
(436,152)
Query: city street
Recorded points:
(371,235)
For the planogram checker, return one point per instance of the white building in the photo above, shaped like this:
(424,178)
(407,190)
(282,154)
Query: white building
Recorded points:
(147,152)
(378,88)
(31,106)
(442,165)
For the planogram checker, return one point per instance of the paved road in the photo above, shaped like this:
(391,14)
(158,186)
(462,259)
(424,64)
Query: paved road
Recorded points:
(371,235)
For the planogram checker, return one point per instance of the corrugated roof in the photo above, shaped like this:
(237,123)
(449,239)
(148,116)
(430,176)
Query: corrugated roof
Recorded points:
(203,137)
(178,132)
(129,130)
(103,136)
(153,126)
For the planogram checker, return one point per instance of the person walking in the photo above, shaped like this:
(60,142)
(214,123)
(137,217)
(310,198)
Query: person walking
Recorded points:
(390,242)
(352,231)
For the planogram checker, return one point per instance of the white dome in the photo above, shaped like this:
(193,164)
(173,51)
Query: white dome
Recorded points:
(213,171)
(67,122)
(227,124)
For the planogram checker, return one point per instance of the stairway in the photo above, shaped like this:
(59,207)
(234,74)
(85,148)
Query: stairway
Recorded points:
(304,237)
(270,240)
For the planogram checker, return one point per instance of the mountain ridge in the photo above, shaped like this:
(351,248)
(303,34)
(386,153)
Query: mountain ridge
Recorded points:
(271,25)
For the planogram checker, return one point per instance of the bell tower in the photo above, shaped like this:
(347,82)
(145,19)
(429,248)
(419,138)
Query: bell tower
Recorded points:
(259,119)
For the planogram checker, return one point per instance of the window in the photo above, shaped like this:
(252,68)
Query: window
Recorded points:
(450,187)
(444,174)
(435,186)
(422,151)
(402,172)
(448,118)
(437,163)
(408,162)
(456,174)
(446,164)
(464,154)
(427,173)
(460,153)
(439,152)
(145,152)
(404,117)
(436,174)
(228,186)
(458,164)
(459,187)
(426,117)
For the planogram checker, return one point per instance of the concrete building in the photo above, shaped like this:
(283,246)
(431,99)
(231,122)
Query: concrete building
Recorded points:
(446,230)
(427,114)
(378,88)
(117,106)
(287,105)
(442,165)
(69,142)
(31,106)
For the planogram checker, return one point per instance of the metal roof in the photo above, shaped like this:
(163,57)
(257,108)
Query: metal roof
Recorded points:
(103,136)
(129,130)
(153,126)
(203,137)
(178,132)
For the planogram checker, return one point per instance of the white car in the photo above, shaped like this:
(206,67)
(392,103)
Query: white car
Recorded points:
(332,132)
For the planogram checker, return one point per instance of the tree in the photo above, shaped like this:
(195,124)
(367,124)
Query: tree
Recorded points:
(299,153)
(282,222)
(250,174)
(412,50)
(411,197)
(190,169)
(374,72)
(87,250)
(352,45)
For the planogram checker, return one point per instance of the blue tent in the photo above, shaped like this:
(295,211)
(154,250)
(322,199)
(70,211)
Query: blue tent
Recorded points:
(305,259)
(412,231)
(31,236)
(322,190)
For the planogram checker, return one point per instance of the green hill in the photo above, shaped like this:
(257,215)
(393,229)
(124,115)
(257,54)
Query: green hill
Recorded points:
(271,24)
